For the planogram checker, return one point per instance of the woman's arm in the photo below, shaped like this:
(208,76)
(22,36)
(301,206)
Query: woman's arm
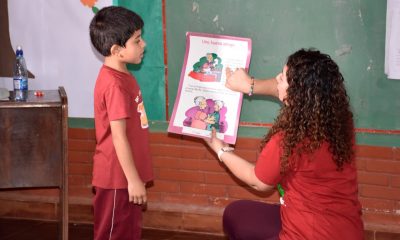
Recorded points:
(244,170)
(240,81)
(241,168)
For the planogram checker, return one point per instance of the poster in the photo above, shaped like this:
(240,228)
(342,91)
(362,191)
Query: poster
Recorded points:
(392,43)
(203,102)
(68,58)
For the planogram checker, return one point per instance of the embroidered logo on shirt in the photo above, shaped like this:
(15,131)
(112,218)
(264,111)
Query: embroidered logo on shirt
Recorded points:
(140,109)
(143,117)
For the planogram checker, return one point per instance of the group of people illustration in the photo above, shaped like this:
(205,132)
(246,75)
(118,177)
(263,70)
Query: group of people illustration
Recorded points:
(205,115)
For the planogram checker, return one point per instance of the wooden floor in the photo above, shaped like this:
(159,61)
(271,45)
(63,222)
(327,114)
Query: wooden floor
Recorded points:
(17,229)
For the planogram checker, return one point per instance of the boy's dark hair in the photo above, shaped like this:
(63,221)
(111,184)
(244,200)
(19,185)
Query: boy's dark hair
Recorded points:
(113,25)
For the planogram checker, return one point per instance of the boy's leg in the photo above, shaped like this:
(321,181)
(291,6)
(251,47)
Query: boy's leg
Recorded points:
(246,219)
(115,217)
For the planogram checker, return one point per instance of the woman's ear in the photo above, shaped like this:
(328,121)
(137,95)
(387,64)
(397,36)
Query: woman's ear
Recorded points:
(116,50)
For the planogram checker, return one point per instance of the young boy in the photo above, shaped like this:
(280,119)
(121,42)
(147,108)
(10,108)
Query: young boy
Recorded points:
(121,162)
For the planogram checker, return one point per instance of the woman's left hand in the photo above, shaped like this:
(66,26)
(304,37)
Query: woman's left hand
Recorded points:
(214,143)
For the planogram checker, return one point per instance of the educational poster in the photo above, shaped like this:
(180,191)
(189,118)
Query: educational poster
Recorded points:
(55,39)
(203,102)
(392,43)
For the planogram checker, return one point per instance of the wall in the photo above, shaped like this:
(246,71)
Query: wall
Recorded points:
(191,187)
(352,32)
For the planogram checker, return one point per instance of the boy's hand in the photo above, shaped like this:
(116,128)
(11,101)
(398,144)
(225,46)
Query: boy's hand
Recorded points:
(238,80)
(137,192)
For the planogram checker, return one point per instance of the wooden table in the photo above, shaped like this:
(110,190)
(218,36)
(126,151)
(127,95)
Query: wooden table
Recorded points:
(33,146)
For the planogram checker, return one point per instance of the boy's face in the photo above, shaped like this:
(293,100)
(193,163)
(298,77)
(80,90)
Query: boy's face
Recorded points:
(134,48)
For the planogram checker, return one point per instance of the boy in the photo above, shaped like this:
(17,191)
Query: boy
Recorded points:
(121,162)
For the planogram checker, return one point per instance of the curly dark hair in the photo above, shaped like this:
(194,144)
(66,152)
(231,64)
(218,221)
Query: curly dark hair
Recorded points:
(316,110)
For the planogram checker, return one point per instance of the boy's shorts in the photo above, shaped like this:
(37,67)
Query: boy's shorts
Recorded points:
(115,217)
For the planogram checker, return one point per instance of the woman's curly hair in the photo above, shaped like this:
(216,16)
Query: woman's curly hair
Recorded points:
(316,109)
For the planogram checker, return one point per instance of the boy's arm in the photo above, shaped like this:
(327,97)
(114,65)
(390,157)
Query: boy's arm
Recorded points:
(240,81)
(136,188)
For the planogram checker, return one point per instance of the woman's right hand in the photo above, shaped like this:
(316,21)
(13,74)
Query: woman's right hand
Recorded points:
(238,80)
(214,143)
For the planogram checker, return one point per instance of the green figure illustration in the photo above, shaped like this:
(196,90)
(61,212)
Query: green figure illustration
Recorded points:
(213,119)
(208,68)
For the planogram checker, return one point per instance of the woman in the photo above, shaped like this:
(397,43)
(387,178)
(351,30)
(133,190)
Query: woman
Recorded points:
(198,120)
(309,150)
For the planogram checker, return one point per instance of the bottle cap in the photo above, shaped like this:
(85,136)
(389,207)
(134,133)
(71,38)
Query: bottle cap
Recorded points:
(19,51)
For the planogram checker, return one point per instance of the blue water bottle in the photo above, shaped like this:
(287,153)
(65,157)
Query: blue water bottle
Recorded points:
(20,76)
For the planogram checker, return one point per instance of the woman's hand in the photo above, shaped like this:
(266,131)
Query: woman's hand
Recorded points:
(238,80)
(214,143)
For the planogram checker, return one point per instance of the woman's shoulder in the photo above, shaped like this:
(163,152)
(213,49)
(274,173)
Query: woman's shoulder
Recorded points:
(277,137)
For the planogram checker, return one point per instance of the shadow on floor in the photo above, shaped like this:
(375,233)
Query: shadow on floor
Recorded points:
(18,229)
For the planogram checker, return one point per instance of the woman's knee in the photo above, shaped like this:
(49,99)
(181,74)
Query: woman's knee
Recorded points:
(245,219)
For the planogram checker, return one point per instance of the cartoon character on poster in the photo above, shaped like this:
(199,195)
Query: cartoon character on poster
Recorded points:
(214,119)
(208,68)
(206,114)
